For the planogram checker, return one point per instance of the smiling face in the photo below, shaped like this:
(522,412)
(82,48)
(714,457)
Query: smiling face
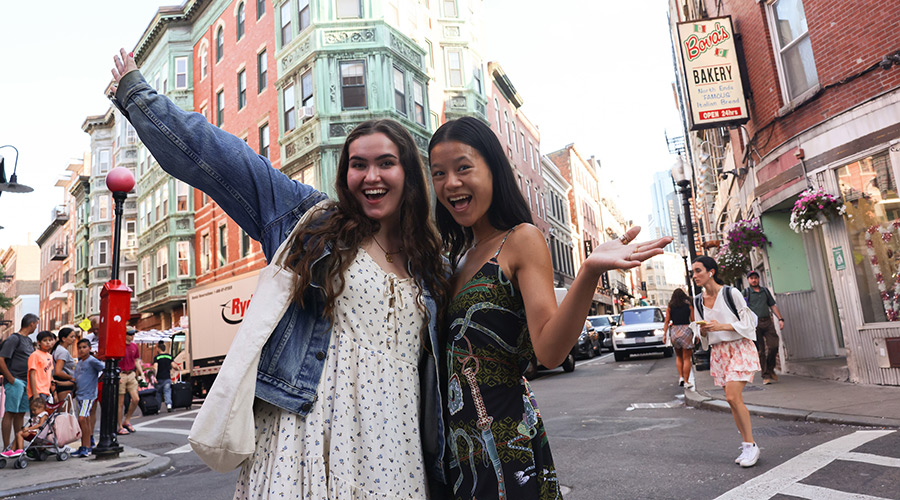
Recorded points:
(375,177)
(463,182)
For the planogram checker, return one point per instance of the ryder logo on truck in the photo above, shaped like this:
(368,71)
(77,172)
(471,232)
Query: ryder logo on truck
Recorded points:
(233,310)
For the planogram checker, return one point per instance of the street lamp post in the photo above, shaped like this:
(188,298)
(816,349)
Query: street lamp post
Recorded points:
(13,185)
(684,184)
(115,311)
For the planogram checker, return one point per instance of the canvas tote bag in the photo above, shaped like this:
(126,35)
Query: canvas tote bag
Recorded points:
(223,434)
(65,425)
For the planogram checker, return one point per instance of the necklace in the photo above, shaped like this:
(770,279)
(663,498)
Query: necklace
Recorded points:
(387,255)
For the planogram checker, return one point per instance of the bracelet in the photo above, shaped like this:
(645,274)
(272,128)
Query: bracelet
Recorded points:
(780,319)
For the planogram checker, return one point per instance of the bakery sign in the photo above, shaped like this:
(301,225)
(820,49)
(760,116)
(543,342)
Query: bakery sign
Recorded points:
(714,88)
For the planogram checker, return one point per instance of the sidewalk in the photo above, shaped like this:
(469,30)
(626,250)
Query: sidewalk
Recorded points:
(52,474)
(802,398)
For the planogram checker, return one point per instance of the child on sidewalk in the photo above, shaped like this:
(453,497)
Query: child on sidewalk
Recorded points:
(38,417)
(87,371)
(40,368)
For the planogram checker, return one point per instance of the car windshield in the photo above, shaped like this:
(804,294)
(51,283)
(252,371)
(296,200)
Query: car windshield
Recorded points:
(637,316)
(600,321)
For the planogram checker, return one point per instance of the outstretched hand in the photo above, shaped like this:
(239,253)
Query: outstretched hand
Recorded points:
(123,64)
(616,254)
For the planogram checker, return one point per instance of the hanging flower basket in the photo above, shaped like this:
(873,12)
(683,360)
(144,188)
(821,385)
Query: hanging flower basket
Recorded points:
(815,207)
(745,235)
(732,264)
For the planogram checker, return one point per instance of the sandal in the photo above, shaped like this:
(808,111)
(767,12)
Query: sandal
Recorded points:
(130,428)
(123,432)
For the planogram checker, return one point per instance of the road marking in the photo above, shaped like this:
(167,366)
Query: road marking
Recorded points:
(870,459)
(182,449)
(598,358)
(170,430)
(811,492)
(646,406)
(788,474)
(174,416)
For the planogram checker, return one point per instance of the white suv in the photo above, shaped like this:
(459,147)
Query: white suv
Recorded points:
(640,331)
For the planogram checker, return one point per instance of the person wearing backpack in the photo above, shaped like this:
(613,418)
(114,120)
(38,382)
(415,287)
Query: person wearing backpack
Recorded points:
(761,302)
(14,354)
(727,327)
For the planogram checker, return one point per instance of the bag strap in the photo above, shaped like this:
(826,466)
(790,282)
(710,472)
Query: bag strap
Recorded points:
(729,300)
(698,304)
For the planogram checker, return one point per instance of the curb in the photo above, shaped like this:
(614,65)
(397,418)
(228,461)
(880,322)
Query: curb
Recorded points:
(157,464)
(697,400)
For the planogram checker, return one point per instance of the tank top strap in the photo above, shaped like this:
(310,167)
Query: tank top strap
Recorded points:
(504,241)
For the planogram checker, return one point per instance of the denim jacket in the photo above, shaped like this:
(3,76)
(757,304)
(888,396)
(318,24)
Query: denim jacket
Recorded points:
(267,205)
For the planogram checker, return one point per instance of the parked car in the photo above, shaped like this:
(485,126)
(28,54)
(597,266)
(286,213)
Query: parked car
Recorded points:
(640,331)
(588,344)
(605,326)
(568,365)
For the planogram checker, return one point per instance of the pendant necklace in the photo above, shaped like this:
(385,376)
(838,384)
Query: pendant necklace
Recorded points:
(387,255)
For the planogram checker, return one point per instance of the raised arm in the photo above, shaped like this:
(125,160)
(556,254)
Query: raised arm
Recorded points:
(221,165)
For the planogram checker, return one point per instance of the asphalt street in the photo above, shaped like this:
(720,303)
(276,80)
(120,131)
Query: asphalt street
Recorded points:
(617,431)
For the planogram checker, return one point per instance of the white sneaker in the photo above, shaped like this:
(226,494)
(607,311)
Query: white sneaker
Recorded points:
(751,455)
(741,456)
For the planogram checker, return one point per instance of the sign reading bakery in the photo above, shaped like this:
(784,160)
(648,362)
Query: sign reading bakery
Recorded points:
(714,87)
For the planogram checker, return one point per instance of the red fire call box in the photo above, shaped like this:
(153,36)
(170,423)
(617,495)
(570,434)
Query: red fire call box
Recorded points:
(115,311)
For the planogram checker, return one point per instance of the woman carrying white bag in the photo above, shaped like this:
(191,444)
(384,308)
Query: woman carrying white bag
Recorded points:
(330,387)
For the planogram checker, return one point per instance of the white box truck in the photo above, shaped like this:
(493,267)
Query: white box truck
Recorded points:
(215,312)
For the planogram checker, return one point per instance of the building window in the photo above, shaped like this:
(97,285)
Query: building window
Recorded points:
(353,84)
(184,259)
(103,163)
(162,264)
(524,149)
(264,140)
(242,89)
(289,115)
(181,196)
(205,253)
(223,245)
(158,199)
(399,91)
(130,279)
(497,109)
(220,108)
(145,273)
(306,89)
(165,78)
(512,136)
(245,243)
(164,194)
(220,43)
(348,9)
(262,72)
(476,74)
(792,47)
(102,252)
(204,60)
(306,175)
(303,17)
(430,53)
(130,233)
(240,21)
(449,7)
(260,8)
(506,121)
(454,67)
(287,34)
(419,102)
(103,208)
(181,64)
(870,195)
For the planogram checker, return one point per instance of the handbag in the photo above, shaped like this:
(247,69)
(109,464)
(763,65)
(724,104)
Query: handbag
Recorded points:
(224,433)
(65,425)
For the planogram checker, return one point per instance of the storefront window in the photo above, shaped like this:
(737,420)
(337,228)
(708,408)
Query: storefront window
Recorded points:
(870,193)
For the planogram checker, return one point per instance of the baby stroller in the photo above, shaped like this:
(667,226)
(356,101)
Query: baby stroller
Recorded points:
(51,437)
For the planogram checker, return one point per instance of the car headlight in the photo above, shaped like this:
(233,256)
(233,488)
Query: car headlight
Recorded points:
(658,332)
(620,335)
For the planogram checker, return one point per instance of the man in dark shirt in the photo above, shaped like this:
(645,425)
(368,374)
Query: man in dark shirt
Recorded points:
(162,366)
(14,355)
(760,301)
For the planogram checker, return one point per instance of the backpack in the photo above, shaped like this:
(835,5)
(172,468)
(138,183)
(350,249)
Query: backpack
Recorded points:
(746,294)
(729,301)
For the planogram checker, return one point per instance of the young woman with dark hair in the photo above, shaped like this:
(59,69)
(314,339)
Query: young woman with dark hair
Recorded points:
(733,355)
(502,310)
(339,345)
(64,362)
(679,315)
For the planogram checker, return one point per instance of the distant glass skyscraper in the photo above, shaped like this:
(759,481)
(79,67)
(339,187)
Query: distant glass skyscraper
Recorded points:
(665,211)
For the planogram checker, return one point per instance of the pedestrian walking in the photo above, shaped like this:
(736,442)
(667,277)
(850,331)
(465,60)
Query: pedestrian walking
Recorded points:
(162,368)
(63,362)
(762,303)
(87,373)
(131,374)
(727,327)
(347,402)
(677,329)
(503,311)
(14,354)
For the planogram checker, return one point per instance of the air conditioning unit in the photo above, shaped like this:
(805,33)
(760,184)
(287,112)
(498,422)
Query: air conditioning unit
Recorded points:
(307,112)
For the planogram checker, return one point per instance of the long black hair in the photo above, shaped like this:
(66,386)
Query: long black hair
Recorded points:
(710,265)
(679,298)
(508,206)
(61,335)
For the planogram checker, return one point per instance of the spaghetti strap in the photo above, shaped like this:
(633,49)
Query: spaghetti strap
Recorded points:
(504,241)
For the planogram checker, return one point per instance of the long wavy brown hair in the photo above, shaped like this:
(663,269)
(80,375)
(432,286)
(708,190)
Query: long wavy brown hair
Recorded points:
(343,226)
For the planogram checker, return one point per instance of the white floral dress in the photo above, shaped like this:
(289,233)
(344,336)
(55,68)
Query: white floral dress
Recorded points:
(361,440)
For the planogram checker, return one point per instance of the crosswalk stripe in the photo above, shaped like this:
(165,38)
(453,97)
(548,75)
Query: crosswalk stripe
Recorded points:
(776,480)
(811,492)
(181,449)
(871,459)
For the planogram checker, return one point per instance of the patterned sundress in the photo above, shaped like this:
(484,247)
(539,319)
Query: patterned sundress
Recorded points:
(361,440)
(498,445)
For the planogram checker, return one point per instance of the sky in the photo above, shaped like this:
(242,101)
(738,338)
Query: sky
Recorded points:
(590,73)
